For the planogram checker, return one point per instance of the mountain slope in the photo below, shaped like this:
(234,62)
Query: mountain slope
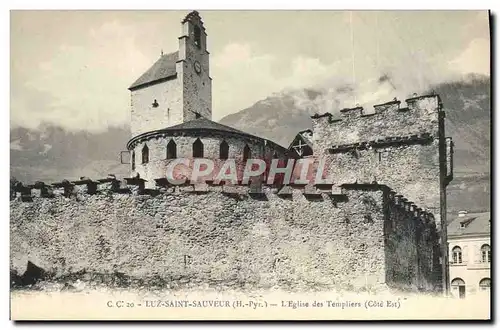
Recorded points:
(467,106)
(51,153)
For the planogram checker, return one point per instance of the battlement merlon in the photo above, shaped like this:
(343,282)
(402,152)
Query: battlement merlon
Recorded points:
(83,189)
(135,186)
(417,115)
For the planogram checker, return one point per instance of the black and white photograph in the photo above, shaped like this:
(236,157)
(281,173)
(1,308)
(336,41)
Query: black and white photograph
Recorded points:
(223,165)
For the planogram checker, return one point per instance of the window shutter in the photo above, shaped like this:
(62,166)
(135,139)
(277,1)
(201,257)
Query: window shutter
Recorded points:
(465,257)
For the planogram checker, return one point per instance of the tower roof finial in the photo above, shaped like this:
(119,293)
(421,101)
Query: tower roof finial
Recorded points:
(191,15)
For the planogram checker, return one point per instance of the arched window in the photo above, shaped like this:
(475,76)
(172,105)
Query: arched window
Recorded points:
(224,150)
(171,150)
(145,154)
(198,149)
(485,253)
(133,160)
(458,287)
(197,36)
(485,284)
(457,255)
(247,153)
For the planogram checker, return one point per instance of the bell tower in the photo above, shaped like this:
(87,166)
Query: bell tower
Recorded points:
(177,87)
(194,68)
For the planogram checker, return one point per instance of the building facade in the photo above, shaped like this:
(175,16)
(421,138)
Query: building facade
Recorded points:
(375,222)
(171,113)
(470,254)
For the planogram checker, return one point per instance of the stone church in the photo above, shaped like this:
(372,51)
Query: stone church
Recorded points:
(171,112)
(376,224)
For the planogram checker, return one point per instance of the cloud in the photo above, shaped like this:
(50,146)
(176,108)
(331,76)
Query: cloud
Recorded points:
(82,86)
(241,77)
(474,59)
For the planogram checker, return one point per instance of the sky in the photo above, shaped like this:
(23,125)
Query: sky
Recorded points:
(73,68)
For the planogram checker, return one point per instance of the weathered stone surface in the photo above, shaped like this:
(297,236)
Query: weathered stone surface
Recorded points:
(416,168)
(158,162)
(145,117)
(217,239)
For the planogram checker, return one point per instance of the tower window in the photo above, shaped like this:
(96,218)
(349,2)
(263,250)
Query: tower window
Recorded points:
(171,150)
(133,160)
(197,36)
(145,154)
(247,153)
(224,150)
(198,149)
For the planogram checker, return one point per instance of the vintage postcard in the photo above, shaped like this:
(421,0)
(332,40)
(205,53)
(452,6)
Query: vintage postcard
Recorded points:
(250,165)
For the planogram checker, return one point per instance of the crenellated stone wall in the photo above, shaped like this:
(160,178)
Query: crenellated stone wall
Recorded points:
(220,235)
(403,146)
(420,115)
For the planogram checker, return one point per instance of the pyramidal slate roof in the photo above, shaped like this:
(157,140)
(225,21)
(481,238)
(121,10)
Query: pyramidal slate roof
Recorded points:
(200,124)
(162,69)
(204,123)
(470,224)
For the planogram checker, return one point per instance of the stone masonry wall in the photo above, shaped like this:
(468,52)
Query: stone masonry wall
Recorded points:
(178,98)
(411,169)
(145,117)
(421,115)
(395,145)
(219,237)
(411,246)
(197,87)
(157,165)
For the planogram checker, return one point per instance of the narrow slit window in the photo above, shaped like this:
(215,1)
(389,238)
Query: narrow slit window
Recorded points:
(197,36)
(247,153)
(171,150)
(224,150)
(198,149)
(145,154)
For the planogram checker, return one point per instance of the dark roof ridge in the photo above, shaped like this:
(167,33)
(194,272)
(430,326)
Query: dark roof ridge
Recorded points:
(163,68)
(201,123)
